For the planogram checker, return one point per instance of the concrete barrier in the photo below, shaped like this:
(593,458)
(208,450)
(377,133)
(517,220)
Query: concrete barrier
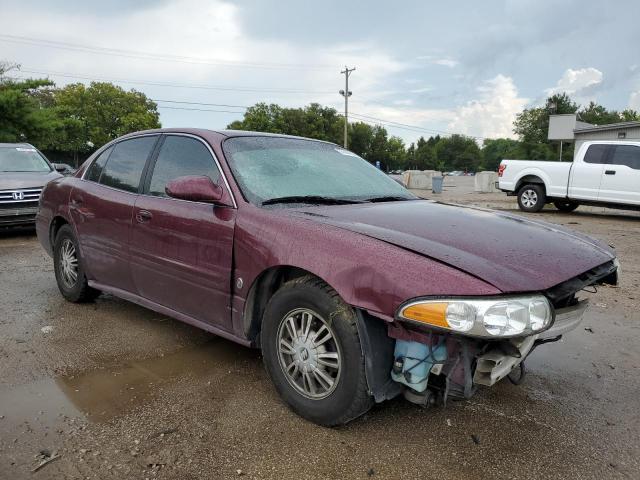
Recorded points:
(485,182)
(420,179)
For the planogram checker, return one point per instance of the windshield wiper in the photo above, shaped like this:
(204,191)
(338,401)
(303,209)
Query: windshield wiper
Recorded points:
(312,199)
(388,198)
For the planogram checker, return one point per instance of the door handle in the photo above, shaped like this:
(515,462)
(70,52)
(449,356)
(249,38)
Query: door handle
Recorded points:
(143,216)
(609,172)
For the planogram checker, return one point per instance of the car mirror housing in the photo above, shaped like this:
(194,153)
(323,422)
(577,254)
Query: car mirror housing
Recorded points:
(60,167)
(196,188)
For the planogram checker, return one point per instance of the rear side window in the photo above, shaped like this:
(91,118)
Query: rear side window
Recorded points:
(626,155)
(96,168)
(180,156)
(597,154)
(125,165)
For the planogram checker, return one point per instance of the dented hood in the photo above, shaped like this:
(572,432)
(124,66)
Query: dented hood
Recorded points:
(511,253)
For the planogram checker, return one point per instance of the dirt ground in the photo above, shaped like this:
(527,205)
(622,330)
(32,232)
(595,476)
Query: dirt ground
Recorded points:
(111,390)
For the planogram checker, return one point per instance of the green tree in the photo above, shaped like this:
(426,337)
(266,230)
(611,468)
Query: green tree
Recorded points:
(598,115)
(94,115)
(532,124)
(496,150)
(458,152)
(24,113)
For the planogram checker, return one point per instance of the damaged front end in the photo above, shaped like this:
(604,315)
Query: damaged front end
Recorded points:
(446,347)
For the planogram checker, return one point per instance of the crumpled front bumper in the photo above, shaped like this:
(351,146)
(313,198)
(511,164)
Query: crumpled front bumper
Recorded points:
(495,364)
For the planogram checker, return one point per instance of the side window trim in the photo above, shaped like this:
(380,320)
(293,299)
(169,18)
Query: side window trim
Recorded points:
(216,162)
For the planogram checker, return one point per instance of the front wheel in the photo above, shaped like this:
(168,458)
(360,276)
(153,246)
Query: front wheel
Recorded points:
(566,205)
(531,198)
(311,350)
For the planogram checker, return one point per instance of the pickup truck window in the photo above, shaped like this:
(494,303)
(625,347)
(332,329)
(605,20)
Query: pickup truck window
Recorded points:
(626,155)
(597,154)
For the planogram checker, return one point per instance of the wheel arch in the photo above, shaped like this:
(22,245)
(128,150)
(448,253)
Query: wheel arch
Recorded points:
(530,178)
(261,290)
(57,222)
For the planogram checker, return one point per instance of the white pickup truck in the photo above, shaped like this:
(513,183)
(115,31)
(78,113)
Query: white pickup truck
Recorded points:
(605,173)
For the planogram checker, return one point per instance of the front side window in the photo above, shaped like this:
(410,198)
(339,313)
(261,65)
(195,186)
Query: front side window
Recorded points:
(597,154)
(124,167)
(181,156)
(267,168)
(22,159)
(628,155)
(96,168)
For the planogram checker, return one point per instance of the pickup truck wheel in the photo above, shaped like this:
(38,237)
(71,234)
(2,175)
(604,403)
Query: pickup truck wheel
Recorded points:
(69,268)
(566,206)
(531,198)
(311,351)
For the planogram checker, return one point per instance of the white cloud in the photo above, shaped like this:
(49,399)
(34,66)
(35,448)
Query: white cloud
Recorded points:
(634,100)
(493,113)
(575,81)
(443,61)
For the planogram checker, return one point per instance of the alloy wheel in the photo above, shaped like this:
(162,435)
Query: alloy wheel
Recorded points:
(309,354)
(68,263)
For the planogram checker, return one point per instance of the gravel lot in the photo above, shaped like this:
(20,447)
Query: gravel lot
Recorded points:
(111,390)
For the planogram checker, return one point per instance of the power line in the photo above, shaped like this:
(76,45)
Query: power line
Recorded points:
(196,109)
(398,124)
(151,56)
(178,85)
(199,103)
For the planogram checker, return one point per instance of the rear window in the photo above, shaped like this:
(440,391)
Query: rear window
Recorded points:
(96,168)
(124,167)
(597,154)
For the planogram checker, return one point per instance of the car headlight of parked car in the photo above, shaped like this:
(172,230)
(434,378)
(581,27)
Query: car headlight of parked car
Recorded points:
(498,317)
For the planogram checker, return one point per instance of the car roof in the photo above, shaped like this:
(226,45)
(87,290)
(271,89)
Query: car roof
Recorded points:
(221,134)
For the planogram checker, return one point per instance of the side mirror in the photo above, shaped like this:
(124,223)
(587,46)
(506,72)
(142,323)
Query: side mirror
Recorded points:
(60,167)
(196,189)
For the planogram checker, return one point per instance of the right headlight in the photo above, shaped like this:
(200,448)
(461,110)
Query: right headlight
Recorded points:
(498,317)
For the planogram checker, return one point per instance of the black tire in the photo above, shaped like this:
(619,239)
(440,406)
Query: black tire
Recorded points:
(532,197)
(566,205)
(350,396)
(77,290)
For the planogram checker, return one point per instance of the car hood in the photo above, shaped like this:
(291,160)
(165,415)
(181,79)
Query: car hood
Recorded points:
(511,253)
(20,180)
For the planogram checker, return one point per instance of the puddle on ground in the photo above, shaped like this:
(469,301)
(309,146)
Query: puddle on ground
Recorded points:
(103,394)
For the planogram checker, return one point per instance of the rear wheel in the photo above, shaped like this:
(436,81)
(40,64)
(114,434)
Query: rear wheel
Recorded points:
(69,268)
(311,350)
(531,198)
(566,205)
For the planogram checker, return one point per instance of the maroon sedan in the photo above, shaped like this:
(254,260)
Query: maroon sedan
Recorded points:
(355,290)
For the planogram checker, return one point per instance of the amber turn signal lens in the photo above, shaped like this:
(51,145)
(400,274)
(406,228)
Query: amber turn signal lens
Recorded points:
(430,313)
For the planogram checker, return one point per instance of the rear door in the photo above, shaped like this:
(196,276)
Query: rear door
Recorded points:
(621,176)
(102,210)
(181,251)
(586,175)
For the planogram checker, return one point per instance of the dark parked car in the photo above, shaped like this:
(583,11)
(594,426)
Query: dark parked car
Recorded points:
(23,173)
(355,290)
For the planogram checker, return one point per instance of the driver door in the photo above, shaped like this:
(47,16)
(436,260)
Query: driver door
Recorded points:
(181,251)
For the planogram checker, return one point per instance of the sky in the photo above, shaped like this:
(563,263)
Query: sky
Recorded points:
(422,67)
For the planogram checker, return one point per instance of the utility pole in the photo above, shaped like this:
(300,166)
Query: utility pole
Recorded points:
(346,94)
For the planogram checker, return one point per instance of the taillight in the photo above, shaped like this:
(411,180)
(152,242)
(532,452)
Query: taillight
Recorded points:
(501,169)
